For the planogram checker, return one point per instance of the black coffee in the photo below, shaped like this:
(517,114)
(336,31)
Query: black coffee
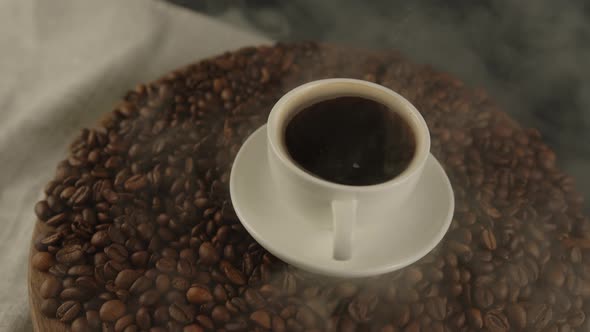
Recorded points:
(350,140)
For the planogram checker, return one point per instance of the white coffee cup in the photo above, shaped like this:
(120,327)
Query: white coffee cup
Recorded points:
(342,208)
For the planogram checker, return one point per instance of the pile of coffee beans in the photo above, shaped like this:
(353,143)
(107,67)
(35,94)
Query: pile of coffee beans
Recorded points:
(143,236)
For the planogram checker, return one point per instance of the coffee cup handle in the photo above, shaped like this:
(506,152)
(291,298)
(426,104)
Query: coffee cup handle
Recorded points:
(344,214)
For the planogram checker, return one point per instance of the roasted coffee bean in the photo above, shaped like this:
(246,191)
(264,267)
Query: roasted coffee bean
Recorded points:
(89,216)
(207,254)
(495,320)
(500,290)
(181,313)
(174,296)
(236,326)
(474,318)
(288,311)
(69,254)
(539,315)
(143,318)
(42,210)
(234,275)
(254,299)
(140,285)
(116,252)
(185,268)
(169,253)
(38,242)
(136,182)
(68,282)
(55,203)
(220,314)
(125,323)
(92,304)
(50,287)
(188,254)
(220,293)
(205,322)
(199,294)
(261,318)
(166,265)
(126,278)
(401,315)
(278,324)
(436,308)
(86,282)
(107,327)
(516,315)
(100,239)
(145,231)
(576,318)
(93,319)
(554,273)
(100,259)
(80,196)
(488,239)
(239,303)
(149,298)
(74,293)
(115,234)
(112,310)
(304,316)
(49,307)
(52,238)
(140,259)
(58,270)
(180,283)
(193,328)
(112,268)
(158,329)
(413,327)
(42,261)
(457,320)
(68,311)
(56,220)
(483,297)
(80,324)
(408,295)
(362,307)
(163,283)
(161,315)
(81,270)
(67,192)
(417,309)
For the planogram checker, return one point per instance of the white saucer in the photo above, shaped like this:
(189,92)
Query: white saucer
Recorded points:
(378,248)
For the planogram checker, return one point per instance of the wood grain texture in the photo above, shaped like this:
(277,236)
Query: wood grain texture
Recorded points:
(35,278)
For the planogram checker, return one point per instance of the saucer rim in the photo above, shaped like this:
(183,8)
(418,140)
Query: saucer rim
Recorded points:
(329,270)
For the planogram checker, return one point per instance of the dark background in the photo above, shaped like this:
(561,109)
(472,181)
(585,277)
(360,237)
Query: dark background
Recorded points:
(533,57)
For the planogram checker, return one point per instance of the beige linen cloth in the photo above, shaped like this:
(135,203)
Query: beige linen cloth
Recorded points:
(62,64)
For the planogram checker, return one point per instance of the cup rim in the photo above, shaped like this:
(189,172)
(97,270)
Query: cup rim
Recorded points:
(324,89)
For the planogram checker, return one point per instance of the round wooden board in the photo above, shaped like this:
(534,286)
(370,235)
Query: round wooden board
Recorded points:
(35,278)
